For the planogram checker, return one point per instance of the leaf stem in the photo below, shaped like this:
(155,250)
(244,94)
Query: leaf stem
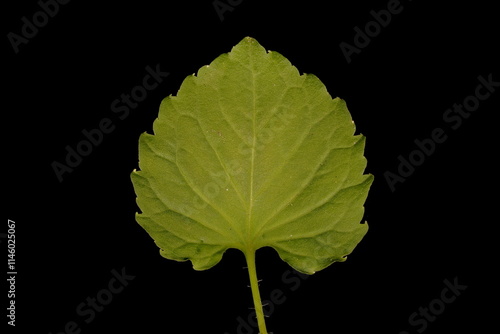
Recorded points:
(254,284)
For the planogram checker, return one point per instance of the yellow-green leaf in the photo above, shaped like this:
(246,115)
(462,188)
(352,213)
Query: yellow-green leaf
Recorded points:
(251,154)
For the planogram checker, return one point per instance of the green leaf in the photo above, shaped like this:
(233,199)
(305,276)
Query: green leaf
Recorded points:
(251,154)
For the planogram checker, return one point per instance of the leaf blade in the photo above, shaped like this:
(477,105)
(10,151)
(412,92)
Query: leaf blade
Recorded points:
(251,154)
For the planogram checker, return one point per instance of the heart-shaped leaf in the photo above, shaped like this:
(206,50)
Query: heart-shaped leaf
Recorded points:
(251,154)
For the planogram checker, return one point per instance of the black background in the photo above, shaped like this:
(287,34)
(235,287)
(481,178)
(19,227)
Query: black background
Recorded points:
(439,224)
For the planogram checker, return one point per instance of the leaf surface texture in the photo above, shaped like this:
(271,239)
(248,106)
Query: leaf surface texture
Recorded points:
(250,154)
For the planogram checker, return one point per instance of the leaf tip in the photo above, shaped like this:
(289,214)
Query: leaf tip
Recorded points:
(250,40)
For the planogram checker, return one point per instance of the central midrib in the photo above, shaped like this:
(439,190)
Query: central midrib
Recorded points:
(252,159)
